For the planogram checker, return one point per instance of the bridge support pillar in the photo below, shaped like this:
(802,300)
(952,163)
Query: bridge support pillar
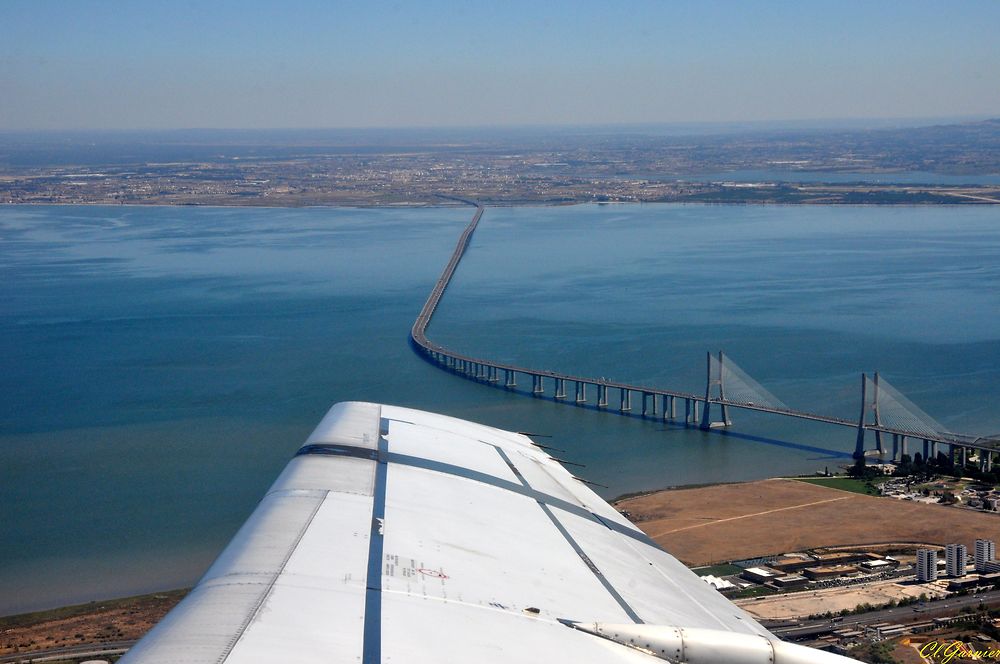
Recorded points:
(691,410)
(902,446)
(510,378)
(602,396)
(706,415)
(625,400)
(859,447)
(927,450)
(581,392)
(895,447)
(560,392)
(963,454)
(494,375)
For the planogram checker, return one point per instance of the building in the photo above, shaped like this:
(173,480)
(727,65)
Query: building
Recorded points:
(791,581)
(926,565)
(986,550)
(879,565)
(759,574)
(983,581)
(720,584)
(843,558)
(793,564)
(965,583)
(829,572)
(954,559)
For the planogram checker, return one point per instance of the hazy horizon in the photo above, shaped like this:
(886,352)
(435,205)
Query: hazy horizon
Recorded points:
(680,128)
(103,65)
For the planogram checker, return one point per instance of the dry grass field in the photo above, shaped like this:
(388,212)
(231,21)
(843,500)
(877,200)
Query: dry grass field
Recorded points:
(98,622)
(736,521)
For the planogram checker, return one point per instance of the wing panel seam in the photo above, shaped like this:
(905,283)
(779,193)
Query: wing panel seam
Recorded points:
(629,611)
(271,583)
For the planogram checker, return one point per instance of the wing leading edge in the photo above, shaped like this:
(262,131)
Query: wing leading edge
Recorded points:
(401,535)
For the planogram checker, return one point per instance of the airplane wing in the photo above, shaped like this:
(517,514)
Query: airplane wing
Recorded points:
(396,535)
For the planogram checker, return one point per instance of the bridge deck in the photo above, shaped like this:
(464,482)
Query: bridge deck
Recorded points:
(441,355)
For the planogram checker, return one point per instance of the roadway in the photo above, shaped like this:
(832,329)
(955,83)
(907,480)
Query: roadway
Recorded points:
(940,608)
(473,368)
(112,648)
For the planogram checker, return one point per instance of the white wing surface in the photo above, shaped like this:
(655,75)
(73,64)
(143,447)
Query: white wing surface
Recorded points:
(396,535)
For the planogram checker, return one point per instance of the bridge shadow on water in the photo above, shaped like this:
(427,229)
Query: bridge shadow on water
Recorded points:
(669,426)
(678,427)
(824,452)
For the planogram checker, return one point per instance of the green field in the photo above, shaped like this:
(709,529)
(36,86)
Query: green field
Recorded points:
(717,570)
(753,591)
(845,484)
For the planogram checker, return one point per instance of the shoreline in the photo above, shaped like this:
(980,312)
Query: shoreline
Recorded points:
(639,516)
(507,204)
(681,519)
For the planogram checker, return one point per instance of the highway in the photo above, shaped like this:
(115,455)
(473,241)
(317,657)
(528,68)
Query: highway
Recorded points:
(946,607)
(69,652)
(488,371)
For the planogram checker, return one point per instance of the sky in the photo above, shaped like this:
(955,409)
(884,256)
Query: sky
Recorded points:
(138,64)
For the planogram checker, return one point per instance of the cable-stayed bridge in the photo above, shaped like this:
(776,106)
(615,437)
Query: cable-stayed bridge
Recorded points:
(884,410)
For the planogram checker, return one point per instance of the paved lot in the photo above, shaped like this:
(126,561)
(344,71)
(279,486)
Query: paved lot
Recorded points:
(803,604)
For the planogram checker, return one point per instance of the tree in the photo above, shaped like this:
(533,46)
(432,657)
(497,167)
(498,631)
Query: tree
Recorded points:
(944,463)
(905,466)
(859,469)
(948,498)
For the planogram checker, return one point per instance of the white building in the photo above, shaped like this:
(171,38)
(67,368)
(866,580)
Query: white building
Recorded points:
(986,550)
(718,583)
(926,565)
(954,559)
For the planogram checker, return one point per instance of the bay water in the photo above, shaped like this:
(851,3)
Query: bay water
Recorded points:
(161,364)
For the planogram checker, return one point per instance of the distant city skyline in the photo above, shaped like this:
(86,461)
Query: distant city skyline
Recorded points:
(100,64)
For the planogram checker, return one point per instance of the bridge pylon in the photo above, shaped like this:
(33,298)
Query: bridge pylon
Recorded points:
(868,402)
(715,378)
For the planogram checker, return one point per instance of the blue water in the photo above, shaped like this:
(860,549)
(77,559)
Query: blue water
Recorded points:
(160,365)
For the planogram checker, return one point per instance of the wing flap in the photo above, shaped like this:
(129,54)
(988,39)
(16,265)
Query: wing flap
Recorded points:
(399,535)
